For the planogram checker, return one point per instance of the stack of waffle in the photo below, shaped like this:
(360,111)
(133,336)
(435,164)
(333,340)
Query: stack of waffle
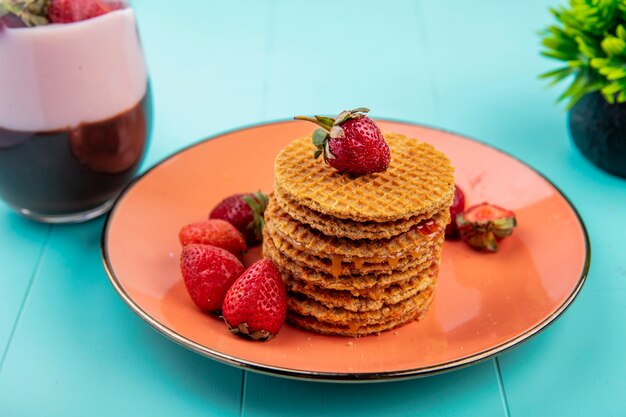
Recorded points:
(359,255)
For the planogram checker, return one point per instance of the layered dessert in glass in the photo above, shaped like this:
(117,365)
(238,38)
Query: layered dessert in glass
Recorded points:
(74,106)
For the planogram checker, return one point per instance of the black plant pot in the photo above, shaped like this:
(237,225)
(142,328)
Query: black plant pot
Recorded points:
(598,129)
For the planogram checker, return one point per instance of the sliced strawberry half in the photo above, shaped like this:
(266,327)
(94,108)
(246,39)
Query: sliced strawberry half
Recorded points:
(482,226)
(457,207)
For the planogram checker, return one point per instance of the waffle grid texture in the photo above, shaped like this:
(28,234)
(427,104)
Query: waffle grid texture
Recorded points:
(332,226)
(358,255)
(313,241)
(418,179)
(311,323)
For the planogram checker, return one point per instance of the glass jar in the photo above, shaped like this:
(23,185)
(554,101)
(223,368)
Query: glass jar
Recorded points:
(75,106)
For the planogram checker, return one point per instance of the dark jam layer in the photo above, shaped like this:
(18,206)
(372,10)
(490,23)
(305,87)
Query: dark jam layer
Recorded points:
(76,170)
(428,227)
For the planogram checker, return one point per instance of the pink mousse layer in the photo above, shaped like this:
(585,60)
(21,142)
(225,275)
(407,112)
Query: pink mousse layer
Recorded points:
(57,76)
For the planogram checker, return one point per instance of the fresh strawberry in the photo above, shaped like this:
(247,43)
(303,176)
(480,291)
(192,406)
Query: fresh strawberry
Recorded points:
(23,13)
(482,226)
(11,21)
(351,142)
(245,212)
(69,11)
(457,207)
(256,305)
(208,272)
(215,232)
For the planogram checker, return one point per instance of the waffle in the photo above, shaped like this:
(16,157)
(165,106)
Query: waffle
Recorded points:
(304,306)
(312,324)
(356,284)
(358,255)
(332,226)
(315,242)
(418,181)
(338,266)
(374,299)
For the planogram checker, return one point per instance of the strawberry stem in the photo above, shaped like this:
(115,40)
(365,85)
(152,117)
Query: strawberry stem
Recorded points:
(328,121)
(9,7)
(321,123)
(257,205)
(330,129)
(32,13)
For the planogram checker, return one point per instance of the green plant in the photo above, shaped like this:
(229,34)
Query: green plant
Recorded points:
(590,37)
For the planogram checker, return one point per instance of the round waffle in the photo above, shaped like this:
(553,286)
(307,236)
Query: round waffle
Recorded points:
(356,284)
(306,306)
(419,180)
(354,266)
(373,299)
(332,226)
(315,242)
(312,324)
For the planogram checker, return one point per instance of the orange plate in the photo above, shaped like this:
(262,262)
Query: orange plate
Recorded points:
(485,303)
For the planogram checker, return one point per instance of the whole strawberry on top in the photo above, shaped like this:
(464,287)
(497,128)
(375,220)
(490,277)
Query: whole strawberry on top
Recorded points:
(351,142)
(256,304)
(245,212)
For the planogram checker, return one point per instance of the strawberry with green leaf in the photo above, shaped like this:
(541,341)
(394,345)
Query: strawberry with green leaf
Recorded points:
(28,13)
(22,13)
(484,225)
(350,142)
(245,212)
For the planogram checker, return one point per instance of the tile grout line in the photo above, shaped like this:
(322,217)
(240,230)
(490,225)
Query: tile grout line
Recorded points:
(422,34)
(242,400)
(269,50)
(505,402)
(23,304)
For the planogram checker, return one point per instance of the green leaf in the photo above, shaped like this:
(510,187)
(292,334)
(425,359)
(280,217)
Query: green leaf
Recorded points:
(612,88)
(556,55)
(574,88)
(319,137)
(610,98)
(560,45)
(559,72)
(262,198)
(559,34)
(585,48)
(575,64)
(556,13)
(599,62)
(328,121)
(590,37)
(616,74)
(9,6)
(342,117)
(557,75)
(613,46)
